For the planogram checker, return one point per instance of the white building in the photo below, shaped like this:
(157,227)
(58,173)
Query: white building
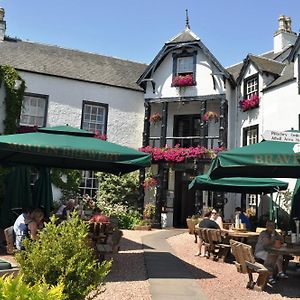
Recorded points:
(84,90)
(270,81)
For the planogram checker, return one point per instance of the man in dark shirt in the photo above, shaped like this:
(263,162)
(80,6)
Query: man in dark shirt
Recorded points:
(205,223)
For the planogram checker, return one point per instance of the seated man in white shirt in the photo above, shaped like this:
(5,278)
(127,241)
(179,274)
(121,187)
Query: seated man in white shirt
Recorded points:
(20,228)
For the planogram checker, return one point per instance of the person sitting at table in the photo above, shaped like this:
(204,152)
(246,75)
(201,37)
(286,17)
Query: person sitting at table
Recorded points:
(20,228)
(98,217)
(244,219)
(205,223)
(270,238)
(215,216)
(32,223)
(70,207)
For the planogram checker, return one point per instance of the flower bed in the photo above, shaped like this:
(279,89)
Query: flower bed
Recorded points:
(252,102)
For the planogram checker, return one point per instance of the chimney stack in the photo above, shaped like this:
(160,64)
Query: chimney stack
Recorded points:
(284,36)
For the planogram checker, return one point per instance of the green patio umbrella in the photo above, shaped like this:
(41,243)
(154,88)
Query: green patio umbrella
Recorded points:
(238,184)
(265,159)
(70,148)
(42,192)
(17,194)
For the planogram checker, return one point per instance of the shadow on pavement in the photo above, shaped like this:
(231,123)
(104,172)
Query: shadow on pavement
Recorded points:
(167,265)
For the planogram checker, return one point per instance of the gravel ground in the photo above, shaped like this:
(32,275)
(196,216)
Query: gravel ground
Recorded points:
(128,279)
(222,281)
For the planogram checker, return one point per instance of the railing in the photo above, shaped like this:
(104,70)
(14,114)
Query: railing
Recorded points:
(209,142)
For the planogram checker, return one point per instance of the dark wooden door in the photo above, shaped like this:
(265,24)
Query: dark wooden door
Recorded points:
(184,202)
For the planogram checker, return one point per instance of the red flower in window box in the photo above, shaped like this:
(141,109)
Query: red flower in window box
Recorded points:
(183,80)
(252,102)
(100,136)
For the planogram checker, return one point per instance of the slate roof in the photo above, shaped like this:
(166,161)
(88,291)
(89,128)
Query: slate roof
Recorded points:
(73,64)
(185,36)
(275,63)
(267,65)
(287,75)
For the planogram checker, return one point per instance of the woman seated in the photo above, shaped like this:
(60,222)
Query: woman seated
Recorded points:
(270,238)
(32,223)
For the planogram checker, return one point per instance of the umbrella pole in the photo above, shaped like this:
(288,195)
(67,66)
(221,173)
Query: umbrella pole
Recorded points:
(271,207)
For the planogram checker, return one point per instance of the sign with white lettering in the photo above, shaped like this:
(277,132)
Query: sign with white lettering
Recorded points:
(281,136)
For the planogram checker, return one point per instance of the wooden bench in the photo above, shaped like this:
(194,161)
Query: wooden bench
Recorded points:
(105,238)
(191,224)
(214,243)
(9,238)
(245,263)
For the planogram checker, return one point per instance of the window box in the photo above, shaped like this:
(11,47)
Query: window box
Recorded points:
(251,103)
(183,80)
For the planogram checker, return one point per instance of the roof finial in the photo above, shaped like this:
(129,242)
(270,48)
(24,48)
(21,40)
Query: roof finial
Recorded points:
(187,22)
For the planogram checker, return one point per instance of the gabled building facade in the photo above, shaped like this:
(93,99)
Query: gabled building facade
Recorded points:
(187,87)
(261,93)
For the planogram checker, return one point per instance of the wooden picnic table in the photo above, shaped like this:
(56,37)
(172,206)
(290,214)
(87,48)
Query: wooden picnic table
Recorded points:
(248,237)
(288,250)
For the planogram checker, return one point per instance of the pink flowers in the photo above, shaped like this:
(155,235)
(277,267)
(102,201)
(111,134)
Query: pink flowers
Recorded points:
(179,154)
(149,183)
(156,117)
(183,80)
(210,115)
(102,137)
(251,103)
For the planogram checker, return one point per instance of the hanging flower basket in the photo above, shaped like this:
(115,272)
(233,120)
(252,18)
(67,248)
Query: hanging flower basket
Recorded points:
(155,118)
(183,80)
(150,182)
(247,104)
(210,116)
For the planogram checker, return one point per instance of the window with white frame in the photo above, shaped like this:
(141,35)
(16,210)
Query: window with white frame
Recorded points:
(185,65)
(252,200)
(250,135)
(251,86)
(94,117)
(89,183)
(34,110)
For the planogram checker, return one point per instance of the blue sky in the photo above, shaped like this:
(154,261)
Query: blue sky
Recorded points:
(137,29)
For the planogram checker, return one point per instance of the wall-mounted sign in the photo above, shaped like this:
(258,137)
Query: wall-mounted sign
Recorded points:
(281,136)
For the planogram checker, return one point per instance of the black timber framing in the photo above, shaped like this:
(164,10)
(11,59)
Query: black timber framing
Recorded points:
(186,99)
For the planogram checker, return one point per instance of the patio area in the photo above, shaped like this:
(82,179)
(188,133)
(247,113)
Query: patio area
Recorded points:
(129,277)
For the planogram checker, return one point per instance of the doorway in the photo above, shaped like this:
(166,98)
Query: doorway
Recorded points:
(184,199)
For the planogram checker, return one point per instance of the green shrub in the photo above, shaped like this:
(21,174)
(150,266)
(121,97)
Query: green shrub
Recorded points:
(127,217)
(15,288)
(62,255)
(119,189)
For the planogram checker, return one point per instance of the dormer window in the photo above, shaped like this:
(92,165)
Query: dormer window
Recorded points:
(251,86)
(184,65)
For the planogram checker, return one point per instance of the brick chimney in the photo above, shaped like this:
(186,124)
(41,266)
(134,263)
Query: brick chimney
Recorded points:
(284,36)
(2,24)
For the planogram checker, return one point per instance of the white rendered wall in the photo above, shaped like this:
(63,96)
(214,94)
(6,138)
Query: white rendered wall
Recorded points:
(125,107)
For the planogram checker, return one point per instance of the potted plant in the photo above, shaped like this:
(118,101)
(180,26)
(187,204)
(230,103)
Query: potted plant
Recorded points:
(210,115)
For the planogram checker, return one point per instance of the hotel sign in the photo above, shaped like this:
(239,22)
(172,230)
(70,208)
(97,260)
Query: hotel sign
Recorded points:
(281,136)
